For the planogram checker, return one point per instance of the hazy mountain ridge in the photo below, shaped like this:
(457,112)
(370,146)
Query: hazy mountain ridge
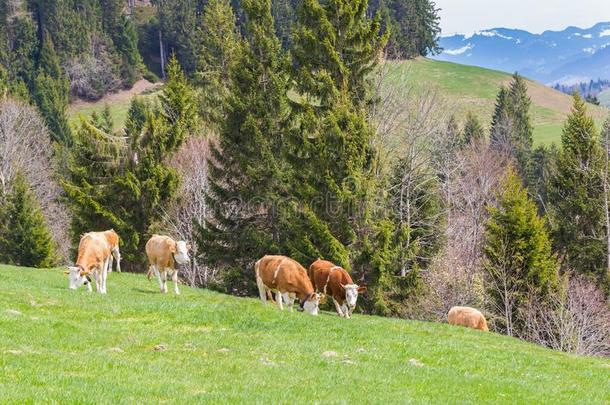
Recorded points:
(567,56)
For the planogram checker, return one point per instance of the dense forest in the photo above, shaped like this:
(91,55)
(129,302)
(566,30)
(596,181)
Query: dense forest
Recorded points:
(274,133)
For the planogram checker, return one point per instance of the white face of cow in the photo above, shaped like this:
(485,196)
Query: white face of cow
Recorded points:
(311,305)
(76,278)
(182,252)
(351,295)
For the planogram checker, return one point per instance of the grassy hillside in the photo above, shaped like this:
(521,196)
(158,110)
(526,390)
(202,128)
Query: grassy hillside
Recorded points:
(469,88)
(117,102)
(136,346)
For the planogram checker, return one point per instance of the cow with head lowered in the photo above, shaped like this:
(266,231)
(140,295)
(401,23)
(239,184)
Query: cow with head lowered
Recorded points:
(331,280)
(288,280)
(94,253)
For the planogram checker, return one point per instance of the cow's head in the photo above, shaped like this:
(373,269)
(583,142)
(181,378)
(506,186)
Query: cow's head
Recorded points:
(310,305)
(77,277)
(351,294)
(182,252)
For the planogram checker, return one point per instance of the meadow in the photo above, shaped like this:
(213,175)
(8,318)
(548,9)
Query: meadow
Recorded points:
(136,345)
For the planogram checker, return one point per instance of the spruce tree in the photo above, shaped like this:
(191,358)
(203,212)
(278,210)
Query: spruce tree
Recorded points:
(519,261)
(577,195)
(219,43)
(25,239)
(473,130)
(247,172)
(51,93)
(511,127)
(336,46)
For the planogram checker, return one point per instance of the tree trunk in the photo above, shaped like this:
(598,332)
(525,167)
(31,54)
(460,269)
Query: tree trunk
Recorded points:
(162,54)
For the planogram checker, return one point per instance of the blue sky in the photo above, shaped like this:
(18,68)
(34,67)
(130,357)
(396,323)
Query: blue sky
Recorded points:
(465,16)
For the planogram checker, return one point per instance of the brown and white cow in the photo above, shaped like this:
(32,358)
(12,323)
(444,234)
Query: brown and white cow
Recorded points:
(93,258)
(113,242)
(332,280)
(288,280)
(163,253)
(468,317)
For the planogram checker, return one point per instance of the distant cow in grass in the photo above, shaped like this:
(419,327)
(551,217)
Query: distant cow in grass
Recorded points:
(93,258)
(113,242)
(288,280)
(332,280)
(163,253)
(468,317)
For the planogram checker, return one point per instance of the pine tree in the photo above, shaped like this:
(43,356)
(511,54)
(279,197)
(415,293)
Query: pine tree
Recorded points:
(25,239)
(335,46)
(215,59)
(519,261)
(577,195)
(473,131)
(248,171)
(414,26)
(51,92)
(511,127)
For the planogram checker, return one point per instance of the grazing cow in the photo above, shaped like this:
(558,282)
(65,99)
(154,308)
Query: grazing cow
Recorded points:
(93,258)
(113,242)
(332,280)
(288,280)
(163,252)
(468,317)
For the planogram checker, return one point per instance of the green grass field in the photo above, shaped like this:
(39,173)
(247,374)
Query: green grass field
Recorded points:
(470,88)
(138,346)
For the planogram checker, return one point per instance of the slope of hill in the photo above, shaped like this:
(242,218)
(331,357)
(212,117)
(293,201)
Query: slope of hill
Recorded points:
(570,55)
(470,88)
(138,346)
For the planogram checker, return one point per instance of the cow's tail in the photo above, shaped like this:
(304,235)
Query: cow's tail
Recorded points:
(262,290)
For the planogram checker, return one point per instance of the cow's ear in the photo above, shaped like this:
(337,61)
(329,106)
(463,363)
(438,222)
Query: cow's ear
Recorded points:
(189,247)
(361,289)
(66,272)
(172,246)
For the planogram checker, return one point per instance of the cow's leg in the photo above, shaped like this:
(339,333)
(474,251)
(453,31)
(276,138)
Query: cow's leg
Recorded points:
(98,280)
(109,263)
(164,277)
(262,290)
(117,256)
(345,310)
(289,298)
(278,299)
(338,307)
(104,275)
(175,280)
(158,274)
(89,288)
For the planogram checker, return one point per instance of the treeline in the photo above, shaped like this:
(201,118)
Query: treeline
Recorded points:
(589,90)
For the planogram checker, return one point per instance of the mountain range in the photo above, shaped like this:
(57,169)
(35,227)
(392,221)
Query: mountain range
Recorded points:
(570,56)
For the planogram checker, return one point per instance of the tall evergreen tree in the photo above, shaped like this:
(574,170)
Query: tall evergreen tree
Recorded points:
(124,183)
(511,126)
(519,261)
(218,47)
(414,26)
(248,174)
(577,195)
(25,239)
(50,91)
(473,130)
(335,46)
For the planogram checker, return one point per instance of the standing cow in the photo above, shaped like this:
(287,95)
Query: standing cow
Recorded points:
(93,258)
(332,280)
(288,280)
(163,252)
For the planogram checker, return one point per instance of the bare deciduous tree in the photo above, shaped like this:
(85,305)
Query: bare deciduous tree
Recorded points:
(190,209)
(25,147)
(575,321)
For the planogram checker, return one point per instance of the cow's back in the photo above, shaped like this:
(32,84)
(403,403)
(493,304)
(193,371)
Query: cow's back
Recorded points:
(92,249)
(112,237)
(468,317)
(327,281)
(281,270)
(159,250)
